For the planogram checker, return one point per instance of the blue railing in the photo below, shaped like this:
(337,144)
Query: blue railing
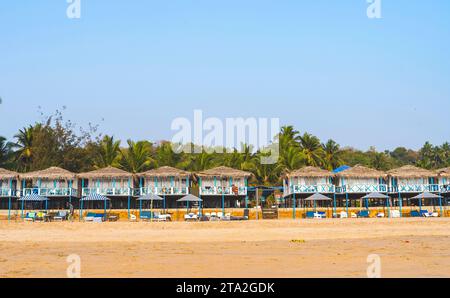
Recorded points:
(218,191)
(51,192)
(362,188)
(161,191)
(7,192)
(125,191)
(405,188)
(321,188)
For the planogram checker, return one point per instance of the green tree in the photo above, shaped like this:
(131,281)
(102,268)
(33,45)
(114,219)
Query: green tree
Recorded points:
(137,157)
(108,153)
(332,155)
(312,150)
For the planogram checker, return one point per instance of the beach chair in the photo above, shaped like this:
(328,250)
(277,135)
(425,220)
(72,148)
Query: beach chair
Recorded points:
(414,213)
(343,214)
(60,216)
(309,214)
(30,216)
(94,217)
(364,214)
(425,213)
(319,215)
(133,217)
(395,214)
(190,217)
(40,216)
(220,215)
(380,214)
(146,215)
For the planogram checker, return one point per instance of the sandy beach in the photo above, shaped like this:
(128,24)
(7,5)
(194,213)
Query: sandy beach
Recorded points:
(408,247)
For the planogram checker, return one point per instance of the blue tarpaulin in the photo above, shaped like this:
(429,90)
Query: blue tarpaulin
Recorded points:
(341,169)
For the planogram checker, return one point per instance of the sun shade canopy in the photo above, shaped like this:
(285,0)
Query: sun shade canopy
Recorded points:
(375,195)
(190,198)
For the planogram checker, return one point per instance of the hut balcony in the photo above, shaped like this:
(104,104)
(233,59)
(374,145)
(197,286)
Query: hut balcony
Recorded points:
(227,191)
(51,192)
(107,191)
(416,188)
(162,191)
(9,193)
(318,188)
(362,188)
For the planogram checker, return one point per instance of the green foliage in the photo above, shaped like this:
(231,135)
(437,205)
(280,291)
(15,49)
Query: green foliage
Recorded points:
(54,142)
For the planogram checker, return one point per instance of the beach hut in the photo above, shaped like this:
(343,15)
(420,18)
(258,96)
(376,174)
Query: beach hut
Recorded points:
(167,182)
(54,182)
(110,182)
(223,187)
(306,181)
(407,181)
(8,189)
(444,180)
(357,180)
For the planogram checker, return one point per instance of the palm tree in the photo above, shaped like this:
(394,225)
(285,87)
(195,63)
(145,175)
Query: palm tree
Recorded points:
(108,153)
(291,159)
(24,145)
(312,149)
(137,157)
(332,155)
(5,151)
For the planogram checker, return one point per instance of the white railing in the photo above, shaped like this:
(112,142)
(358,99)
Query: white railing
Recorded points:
(445,188)
(218,191)
(125,191)
(161,191)
(51,192)
(320,188)
(416,188)
(7,192)
(362,188)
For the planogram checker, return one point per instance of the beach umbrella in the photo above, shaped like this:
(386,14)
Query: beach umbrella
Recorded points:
(93,197)
(191,199)
(151,198)
(428,195)
(316,197)
(33,198)
(377,195)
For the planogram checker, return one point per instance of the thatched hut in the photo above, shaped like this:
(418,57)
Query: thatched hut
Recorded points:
(165,181)
(223,182)
(411,179)
(361,179)
(109,181)
(308,180)
(8,183)
(51,182)
(444,179)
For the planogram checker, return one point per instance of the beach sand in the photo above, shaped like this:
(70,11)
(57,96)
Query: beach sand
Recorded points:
(408,247)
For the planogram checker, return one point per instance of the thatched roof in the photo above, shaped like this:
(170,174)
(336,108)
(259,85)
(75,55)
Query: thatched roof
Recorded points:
(165,172)
(411,172)
(360,171)
(53,173)
(224,172)
(108,172)
(445,172)
(7,174)
(310,172)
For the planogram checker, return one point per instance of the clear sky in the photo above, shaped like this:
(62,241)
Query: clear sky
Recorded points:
(320,65)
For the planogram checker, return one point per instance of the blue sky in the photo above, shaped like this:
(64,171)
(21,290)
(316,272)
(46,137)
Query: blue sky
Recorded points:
(322,66)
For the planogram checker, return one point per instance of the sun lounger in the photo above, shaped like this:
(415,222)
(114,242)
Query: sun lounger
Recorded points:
(220,215)
(319,215)
(60,216)
(395,214)
(190,217)
(146,215)
(414,213)
(40,216)
(31,216)
(309,214)
(133,217)
(94,217)
(380,214)
(425,213)
(343,214)
(364,214)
